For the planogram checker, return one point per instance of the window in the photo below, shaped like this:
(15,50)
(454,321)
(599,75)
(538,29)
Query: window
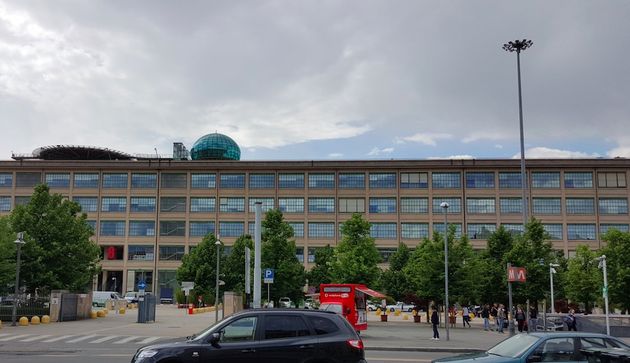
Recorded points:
(86,180)
(351,180)
(241,330)
(290,181)
(513,228)
(5,204)
(58,180)
(575,180)
(321,181)
(200,229)
(613,206)
(480,230)
(351,205)
(285,326)
(142,204)
(115,180)
(446,180)
(454,205)
(172,204)
(291,205)
(92,224)
(112,228)
(174,180)
(611,180)
(414,230)
(321,205)
(510,180)
(171,253)
(321,230)
(172,228)
(414,205)
(511,205)
(6,180)
(605,227)
(557,350)
(262,181)
(299,254)
(88,204)
(140,253)
(143,180)
(202,204)
(439,228)
(554,230)
(232,205)
(231,229)
(546,205)
(414,180)
(298,229)
(382,180)
(22,200)
(267,204)
(232,181)
(480,180)
(203,181)
(545,180)
(382,205)
(312,251)
(585,206)
(383,230)
(481,205)
(114,204)
(580,232)
(385,253)
(251,228)
(27,180)
(141,228)
(322,325)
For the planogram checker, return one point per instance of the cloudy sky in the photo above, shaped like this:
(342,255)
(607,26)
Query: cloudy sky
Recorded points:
(317,79)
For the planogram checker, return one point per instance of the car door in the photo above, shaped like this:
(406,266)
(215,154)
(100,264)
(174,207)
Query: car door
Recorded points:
(286,338)
(557,349)
(237,343)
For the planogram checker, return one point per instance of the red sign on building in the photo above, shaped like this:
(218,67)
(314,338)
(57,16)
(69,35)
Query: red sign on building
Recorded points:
(516,274)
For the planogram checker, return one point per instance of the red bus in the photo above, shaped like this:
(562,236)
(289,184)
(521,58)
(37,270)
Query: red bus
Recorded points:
(348,300)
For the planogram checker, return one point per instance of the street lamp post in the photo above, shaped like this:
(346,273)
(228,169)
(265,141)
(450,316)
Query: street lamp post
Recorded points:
(18,243)
(444,206)
(518,46)
(216,287)
(602,265)
(552,271)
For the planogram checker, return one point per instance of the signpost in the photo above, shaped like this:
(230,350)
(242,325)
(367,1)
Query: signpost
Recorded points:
(268,279)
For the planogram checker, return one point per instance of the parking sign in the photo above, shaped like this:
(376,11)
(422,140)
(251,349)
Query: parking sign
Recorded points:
(268,276)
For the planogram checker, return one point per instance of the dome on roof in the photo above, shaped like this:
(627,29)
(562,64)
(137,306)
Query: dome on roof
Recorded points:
(215,147)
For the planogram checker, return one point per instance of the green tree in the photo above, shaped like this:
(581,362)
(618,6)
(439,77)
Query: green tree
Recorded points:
(617,254)
(582,279)
(58,253)
(7,256)
(491,269)
(200,266)
(278,253)
(394,280)
(320,273)
(233,268)
(356,257)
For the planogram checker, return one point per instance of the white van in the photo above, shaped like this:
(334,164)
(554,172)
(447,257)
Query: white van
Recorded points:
(100,297)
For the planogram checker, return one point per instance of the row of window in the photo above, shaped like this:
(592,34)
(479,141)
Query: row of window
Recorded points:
(381,180)
(540,206)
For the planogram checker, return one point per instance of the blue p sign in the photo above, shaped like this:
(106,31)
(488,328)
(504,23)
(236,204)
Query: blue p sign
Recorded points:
(268,276)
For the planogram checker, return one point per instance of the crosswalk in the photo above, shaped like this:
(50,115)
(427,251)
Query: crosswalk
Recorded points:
(73,339)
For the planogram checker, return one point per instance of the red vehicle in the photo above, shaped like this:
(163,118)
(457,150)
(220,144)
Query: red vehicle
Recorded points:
(348,300)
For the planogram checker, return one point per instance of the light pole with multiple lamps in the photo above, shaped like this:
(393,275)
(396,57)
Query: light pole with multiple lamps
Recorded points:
(552,271)
(216,287)
(518,46)
(19,241)
(444,206)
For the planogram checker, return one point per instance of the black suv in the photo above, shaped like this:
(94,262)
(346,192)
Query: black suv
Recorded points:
(265,336)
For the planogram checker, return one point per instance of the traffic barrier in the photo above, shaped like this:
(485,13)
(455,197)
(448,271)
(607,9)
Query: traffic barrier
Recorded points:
(405,317)
(93,314)
(24,321)
(45,319)
(35,320)
(121,311)
(101,313)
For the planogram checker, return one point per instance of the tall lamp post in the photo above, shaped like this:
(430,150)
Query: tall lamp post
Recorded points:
(444,206)
(518,46)
(602,265)
(18,243)
(552,271)
(216,286)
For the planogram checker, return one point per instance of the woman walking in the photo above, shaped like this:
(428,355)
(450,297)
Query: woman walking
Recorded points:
(520,319)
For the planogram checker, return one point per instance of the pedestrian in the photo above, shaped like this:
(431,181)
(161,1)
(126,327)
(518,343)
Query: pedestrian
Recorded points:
(520,319)
(452,316)
(465,316)
(533,319)
(570,320)
(493,312)
(435,321)
(485,314)
(500,317)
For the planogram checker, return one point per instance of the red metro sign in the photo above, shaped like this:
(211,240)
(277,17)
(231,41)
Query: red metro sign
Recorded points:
(516,274)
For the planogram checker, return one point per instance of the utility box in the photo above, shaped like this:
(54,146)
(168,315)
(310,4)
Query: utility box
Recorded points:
(146,308)
(232,303)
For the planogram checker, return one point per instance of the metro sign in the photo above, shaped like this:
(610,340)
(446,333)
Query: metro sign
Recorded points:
(516,274)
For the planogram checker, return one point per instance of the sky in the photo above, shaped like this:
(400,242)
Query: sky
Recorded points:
(317,80)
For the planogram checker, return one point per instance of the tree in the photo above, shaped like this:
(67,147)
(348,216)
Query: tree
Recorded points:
(7,256)
(394,280)
(278,253)
(491,270)
(233,268)
(320,273)
(618,264)
(583,280)
(58,253)
(200,266)
(356,256)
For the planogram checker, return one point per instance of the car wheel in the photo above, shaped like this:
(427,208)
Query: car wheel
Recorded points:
(392,309)
(409,310)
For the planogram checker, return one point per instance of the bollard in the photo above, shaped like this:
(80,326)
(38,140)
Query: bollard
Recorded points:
(92,314)
(23,321)
(35,320)
(101,313)
(405,317)
(45,319)
(121,311)
(190,309)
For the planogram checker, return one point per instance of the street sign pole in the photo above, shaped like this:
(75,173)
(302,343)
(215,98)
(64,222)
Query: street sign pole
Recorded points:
(248,271)
(257,253)
(509,314)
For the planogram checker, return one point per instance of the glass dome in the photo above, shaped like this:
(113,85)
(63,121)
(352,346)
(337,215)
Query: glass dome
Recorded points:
(215,147)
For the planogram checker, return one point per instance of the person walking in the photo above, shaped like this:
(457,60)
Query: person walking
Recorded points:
(465,316)
(435,321)
(485,314)
(452,316)
(533,319)
(570,320)
(520,319)
(500,317)
(493,312)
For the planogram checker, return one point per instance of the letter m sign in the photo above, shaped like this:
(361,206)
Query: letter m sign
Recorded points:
(516,274)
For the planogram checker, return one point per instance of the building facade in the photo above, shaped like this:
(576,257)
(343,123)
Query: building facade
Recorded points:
(148,213)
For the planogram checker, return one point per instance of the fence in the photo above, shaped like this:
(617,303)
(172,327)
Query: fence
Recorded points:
(28,307)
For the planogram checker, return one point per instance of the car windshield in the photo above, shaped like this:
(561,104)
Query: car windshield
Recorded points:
(515,346)
(336,308)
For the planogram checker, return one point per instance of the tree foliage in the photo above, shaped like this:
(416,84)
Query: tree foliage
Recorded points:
(395,281)
(58,253)
(617,254)
(490,274)
(582,279)
(356,257)
(320,273)
(7,256)
(200,266)
(233,269)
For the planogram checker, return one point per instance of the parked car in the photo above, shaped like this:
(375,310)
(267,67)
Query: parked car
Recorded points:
(284,302)
(372,306)
(131,296)
(99,298)
(540,347)
(401,306)
(265,335)
(606,355)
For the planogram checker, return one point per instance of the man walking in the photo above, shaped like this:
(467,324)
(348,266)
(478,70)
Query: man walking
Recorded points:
(465,316)
(485,314)
(533,319)
(493,312)
(435,321)
(500,317)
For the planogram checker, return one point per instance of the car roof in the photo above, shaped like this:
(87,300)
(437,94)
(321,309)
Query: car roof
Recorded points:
(284,310)
(569,334)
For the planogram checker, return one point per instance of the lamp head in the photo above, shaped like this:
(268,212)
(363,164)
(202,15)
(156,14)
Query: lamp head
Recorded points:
(444,205)
(517,45)
(20,239)
(553,265)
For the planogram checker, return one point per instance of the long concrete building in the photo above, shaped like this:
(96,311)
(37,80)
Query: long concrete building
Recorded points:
(148,211)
